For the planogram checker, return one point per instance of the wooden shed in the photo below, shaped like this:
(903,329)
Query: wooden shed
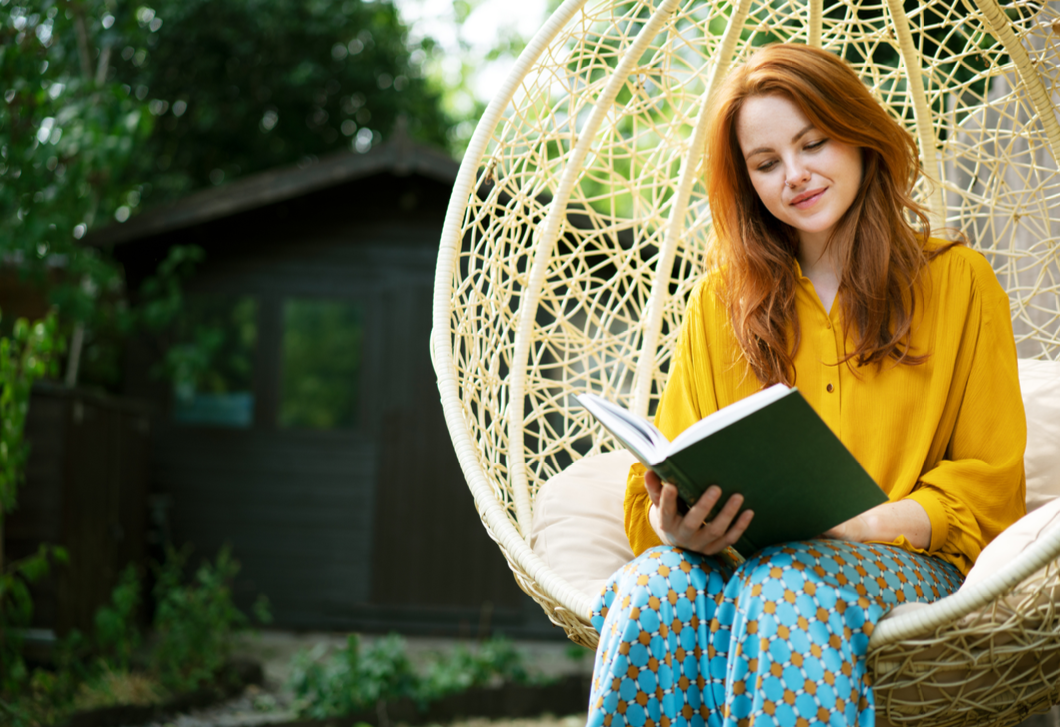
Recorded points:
(312,439)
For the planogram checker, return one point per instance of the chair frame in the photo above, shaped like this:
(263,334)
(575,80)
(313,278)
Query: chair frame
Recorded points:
(985,655)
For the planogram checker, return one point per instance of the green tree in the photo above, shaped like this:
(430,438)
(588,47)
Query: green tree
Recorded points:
(245,85)
(110,103)
(66,135)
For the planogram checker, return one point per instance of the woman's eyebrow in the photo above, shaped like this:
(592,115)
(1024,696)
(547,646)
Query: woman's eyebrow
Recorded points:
(767,149)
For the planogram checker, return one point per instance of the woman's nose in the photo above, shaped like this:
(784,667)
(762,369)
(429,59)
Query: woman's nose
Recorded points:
(797,174)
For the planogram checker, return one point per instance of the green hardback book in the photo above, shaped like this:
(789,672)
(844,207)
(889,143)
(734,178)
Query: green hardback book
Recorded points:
(770,447)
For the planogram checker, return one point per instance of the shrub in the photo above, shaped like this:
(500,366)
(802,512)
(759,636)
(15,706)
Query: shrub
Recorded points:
(349,681)
(195,623)
(117,630)
(495,660)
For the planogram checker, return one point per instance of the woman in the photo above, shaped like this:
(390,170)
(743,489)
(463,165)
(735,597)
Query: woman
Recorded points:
(902,344)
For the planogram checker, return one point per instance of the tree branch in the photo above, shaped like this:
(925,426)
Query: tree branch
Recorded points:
(104,65)
(82,39)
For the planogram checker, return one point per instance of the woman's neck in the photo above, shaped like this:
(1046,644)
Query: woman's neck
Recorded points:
(819,266)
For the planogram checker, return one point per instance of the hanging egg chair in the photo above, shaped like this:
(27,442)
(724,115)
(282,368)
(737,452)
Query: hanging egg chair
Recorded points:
(577,228)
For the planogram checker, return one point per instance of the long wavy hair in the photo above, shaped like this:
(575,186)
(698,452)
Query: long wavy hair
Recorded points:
(878,253)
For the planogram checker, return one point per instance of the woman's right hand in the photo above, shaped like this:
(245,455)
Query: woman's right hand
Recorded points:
(689,531)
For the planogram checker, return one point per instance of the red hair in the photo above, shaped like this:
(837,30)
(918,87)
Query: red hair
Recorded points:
(879,255)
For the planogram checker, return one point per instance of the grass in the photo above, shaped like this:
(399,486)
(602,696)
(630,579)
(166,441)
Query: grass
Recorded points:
(111,688)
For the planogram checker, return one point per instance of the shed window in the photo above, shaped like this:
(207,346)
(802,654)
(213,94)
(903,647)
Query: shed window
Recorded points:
(211,361)
(321,363)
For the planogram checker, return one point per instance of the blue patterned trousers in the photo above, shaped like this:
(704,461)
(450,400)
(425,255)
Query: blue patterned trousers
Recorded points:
(686,640)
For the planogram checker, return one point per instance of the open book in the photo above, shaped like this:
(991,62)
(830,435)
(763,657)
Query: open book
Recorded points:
(770,447)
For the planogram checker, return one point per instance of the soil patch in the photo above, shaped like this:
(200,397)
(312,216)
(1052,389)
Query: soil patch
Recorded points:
(566,696)
(236,677)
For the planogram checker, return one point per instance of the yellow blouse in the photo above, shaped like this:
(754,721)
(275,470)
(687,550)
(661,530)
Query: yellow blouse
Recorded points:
(948,433)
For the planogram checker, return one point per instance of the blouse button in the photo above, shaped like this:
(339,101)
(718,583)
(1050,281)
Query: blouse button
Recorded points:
(830,388)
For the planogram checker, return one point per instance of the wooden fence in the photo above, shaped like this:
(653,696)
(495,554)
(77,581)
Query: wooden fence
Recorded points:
(86,490)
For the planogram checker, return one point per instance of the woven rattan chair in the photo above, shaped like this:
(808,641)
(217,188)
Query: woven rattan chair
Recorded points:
(577,228)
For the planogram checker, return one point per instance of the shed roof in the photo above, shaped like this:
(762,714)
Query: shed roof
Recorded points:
(400,156)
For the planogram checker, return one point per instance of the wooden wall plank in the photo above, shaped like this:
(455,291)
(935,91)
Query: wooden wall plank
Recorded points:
(296,511)
(85,489)
(436,552)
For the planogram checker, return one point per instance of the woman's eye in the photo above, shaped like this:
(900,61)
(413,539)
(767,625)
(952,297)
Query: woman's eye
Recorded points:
(816,144)
(766,166)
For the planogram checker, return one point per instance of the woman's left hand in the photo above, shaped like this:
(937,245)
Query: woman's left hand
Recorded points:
(886,523)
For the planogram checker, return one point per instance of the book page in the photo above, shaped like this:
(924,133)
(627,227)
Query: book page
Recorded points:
(727,415)
(638,435)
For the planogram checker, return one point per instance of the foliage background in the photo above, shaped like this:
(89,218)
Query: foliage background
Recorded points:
(245,85)
(111,106)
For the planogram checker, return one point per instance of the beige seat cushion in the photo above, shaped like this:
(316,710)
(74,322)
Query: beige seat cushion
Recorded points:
(578,527)
(1040,383)
(1016,539)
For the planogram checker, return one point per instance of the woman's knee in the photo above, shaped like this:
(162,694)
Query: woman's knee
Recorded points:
(811,566)
(663,579)
(787,592)
(678,569)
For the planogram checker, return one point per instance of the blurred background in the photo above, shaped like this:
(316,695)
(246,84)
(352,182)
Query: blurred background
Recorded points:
(218,227)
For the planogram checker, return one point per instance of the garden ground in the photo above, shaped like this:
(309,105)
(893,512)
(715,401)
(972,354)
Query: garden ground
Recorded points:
(270,704)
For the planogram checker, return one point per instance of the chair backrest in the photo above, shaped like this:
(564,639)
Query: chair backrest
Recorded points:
(578,223)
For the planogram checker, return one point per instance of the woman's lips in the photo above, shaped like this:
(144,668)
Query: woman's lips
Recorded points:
(807,199)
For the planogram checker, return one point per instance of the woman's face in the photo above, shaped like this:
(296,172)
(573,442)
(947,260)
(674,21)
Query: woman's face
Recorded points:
(802,176)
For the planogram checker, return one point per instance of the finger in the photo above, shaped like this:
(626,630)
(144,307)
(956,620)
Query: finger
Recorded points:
(729,512)
(668,503)
(653,485)
(654,519)
(738,528)
(702,507)
(697,514)
(668,519)
(716,529)
(672,518)
(723,520)
(731,536)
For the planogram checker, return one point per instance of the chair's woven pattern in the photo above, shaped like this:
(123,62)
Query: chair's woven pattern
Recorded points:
(994,666)
(578,225)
